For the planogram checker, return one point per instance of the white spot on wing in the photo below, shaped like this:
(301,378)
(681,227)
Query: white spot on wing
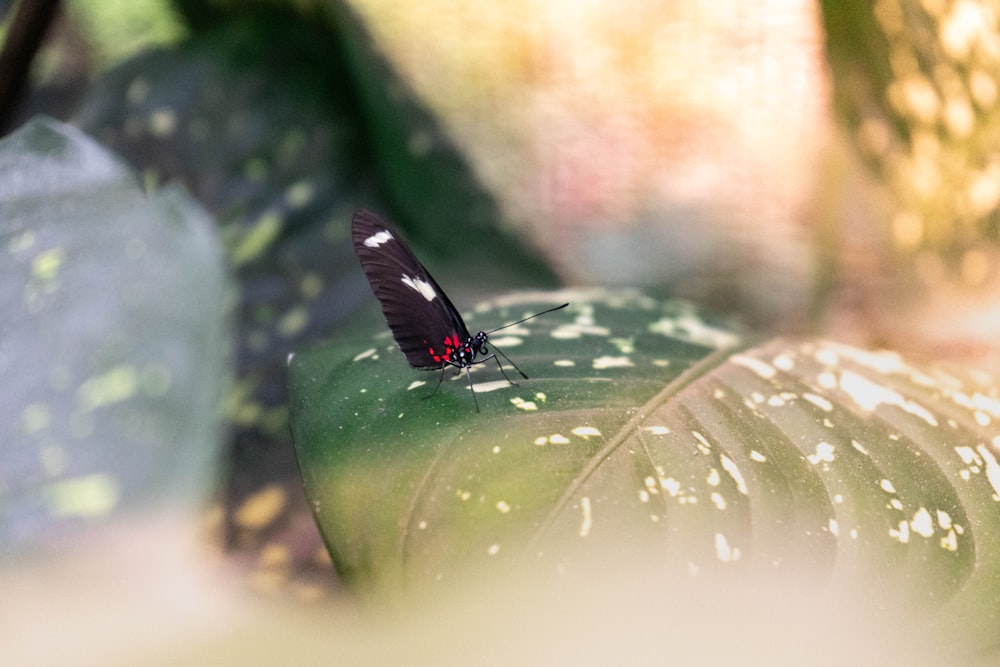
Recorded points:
(379,238)
(419,285)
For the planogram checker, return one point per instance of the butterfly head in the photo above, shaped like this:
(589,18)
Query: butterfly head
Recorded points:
(455,351)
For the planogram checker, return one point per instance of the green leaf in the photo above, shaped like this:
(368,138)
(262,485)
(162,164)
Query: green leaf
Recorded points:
(374,452)
(646,429)
(114,341)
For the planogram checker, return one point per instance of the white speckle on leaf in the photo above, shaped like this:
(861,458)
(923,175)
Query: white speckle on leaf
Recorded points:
(922,524)
(691,328)
(564,363)
(605,362)
(541,440)
(522,404)
(833,527)
(992,469)
(757,456)
(887,486)
(825,453)
(968,455)
(579,328)
(558,439)
(624,345)
(586,432)
(658,430)
(944,520)
(89,496)
(950,541)
(364,355)
(730,467)
(827,380)
(35,418)
(822,403)
(507,341)
(587,520)
(162,122)
(869,395)
(492,385)
(761,368)
(827,357)
(902,534)
(503,507)
(702,445)
(723,551)
(718,500)
(670,485)
(784,362)
(118,384)
(713,478)
(493,550)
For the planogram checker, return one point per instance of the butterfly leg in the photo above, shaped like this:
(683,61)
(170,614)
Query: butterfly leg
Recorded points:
(468,374)
(438,385)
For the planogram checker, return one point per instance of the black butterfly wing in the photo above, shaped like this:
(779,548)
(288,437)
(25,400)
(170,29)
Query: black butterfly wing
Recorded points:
(425,324)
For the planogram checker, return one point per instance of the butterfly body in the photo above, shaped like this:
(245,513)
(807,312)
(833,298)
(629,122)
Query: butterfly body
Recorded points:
(425,324)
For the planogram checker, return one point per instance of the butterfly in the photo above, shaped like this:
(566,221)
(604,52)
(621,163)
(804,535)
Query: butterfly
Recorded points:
(425,324)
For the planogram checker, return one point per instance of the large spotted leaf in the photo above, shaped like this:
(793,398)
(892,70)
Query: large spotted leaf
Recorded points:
(644,427)
(114,342)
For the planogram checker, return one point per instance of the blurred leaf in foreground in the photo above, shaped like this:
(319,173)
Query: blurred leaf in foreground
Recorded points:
(114,344)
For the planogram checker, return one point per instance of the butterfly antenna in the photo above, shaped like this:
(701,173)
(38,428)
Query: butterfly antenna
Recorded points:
(529,317)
